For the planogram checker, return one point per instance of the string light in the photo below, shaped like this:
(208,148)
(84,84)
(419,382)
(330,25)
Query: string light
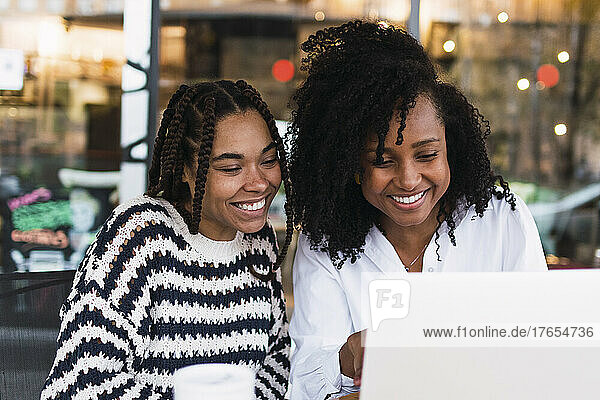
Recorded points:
(523,84)
(449,46)
(560,129)
(563,57)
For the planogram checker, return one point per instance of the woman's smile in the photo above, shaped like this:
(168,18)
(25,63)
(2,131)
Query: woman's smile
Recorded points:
(252,206)
(412,177)
(410,202)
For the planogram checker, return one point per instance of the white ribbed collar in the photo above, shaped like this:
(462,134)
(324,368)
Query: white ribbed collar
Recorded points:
(217,250)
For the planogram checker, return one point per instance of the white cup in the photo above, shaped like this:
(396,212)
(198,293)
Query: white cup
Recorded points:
(214,382)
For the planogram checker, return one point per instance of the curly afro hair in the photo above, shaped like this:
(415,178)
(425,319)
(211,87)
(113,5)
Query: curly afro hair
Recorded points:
(359,75)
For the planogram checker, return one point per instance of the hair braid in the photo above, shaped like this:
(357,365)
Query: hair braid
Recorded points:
(248,91)
(153,173)
(177,185)
(173,143)
(208,134)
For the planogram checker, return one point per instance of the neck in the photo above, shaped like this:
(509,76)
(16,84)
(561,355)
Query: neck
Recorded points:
(410,240)
(216,232)
(212,230)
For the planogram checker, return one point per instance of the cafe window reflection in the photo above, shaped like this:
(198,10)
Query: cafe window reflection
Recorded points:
(65,115)
(60,112)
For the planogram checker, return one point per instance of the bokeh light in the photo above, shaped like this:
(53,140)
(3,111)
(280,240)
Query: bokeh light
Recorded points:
(560,129)
(503,17)
(320,16)
(283,70)
(563,56)
(449,46)
(523,84)
(548,74)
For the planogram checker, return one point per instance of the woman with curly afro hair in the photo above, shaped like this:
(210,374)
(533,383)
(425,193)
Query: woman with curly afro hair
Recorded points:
(390,174)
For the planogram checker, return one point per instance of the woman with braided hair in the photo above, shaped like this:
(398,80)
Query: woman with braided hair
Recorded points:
(189,272)
(400,183)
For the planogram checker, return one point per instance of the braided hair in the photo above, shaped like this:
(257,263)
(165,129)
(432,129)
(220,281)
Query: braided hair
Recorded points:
(186,134)
(359,75)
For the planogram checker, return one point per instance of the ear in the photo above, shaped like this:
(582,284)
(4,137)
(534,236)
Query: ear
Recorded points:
(187,175)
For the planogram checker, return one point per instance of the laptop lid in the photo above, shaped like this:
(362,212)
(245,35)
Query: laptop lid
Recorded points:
(484,336)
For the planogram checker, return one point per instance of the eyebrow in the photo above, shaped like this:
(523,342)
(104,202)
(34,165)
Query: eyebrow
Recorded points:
(414,145)
(238,156)
(424,142)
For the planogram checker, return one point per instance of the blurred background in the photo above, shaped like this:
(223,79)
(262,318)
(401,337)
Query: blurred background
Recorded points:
(530,66)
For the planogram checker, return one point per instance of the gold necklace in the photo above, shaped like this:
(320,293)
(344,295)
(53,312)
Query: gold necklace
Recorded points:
(415,260)
(378,225)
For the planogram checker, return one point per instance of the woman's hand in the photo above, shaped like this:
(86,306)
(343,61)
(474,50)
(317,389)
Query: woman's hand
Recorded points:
(351,357)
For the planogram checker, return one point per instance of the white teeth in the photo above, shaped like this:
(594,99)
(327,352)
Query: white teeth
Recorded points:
(252,206)
(408,200)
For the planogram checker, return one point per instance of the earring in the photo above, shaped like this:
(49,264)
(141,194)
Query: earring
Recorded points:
(357,179)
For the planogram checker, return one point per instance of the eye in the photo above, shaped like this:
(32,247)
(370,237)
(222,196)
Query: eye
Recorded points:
(428,156)
(384,164)
(271,162)
(229,170)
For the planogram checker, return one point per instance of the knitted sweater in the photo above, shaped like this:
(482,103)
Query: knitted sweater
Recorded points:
(149,298)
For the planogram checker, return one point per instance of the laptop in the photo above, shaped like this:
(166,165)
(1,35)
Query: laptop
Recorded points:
(510,335)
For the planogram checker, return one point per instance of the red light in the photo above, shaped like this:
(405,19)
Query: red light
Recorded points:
(548,74)
(283,70)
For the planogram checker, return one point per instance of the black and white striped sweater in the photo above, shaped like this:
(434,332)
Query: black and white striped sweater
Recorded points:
(149,298)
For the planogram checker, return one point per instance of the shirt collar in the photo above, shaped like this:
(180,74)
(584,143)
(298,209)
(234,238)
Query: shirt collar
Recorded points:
(383,254)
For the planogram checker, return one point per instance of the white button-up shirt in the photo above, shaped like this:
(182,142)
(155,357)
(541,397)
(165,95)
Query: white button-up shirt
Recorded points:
(327,301)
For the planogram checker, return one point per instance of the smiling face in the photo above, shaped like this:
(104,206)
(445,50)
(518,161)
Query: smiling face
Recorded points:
(414,176)
(243,177)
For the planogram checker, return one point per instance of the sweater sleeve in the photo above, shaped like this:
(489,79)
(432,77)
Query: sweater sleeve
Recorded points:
(102,333)
(272,376)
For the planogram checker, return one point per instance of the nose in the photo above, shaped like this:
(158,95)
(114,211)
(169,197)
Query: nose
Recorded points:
(408,176)
(256,181)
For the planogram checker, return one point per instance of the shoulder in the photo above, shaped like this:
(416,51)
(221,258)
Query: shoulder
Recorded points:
(502,210)
(131,226)
(374,241)
(310,257)
(119,244)
(500,217)
(137,212)
(146,205)
(308,248)
(515,233)
(262,242)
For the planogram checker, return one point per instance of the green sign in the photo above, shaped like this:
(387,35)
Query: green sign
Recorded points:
(48,215)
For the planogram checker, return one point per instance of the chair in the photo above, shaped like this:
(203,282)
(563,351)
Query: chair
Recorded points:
(29,324)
